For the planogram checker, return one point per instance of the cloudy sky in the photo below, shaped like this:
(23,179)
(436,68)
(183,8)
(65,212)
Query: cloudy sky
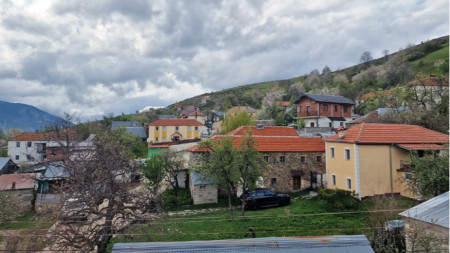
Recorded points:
(113,56)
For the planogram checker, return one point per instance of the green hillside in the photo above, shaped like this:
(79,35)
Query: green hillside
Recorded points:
(405,65)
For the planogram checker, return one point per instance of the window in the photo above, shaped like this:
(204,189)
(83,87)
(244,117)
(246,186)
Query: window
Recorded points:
(319,159)
(189,128)
(17,144)
(202,187)
(29,157)
(330,124)
(341,124)
(156,139)
(29,144)
(312,124)
(333,179)
(303,159)
(300,109)
(157,128)
(349,184)
(308,109)
(17,157)
(282,159)
(325,107)
(273,181)
(347,154)
(344,108)
(196,128)
(331,152)
(408,175)
(176,128)
(266,158)
(164,139)
(164,128)
(335,108)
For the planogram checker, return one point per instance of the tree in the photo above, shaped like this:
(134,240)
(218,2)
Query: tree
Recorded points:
(326,74)
(163,166)
(12,132)
(233,121)
(366,56)
(430,174)
(249,163)
(8,207)
(218,164)
(100,196)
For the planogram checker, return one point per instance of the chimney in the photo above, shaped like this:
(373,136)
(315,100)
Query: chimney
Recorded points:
(341,131)
(36,131)
(259,126)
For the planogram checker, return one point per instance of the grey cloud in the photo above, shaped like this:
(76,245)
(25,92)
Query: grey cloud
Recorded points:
(137,10)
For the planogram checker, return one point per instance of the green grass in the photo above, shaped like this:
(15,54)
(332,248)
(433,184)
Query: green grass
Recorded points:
(29,220)
(425,65)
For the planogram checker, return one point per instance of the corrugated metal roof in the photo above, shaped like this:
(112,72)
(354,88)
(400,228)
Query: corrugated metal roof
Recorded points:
(4,161)
(198,179)
(115,124)
(139,131)
(433,211)
(55,171)
(314,244)
(327,99)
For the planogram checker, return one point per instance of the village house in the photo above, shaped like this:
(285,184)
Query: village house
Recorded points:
(430,217)
(7,166)
(295,163)
(373,159)
(19,186)
(324,110)
(168,130)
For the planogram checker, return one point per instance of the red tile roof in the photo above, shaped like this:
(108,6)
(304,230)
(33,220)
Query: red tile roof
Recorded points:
(196,113)
(266,131)
(21,181)
(373,94)
(33,136)
(279,144)
(422,146)
(176,122)
(389,133)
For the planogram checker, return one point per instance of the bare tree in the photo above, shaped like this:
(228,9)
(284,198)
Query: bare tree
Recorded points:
(100,197)
(365,57)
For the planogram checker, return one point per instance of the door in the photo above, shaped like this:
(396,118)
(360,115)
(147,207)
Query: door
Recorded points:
(297,183)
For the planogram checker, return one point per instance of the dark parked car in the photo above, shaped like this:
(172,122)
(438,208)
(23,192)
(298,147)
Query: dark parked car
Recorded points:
(265,198)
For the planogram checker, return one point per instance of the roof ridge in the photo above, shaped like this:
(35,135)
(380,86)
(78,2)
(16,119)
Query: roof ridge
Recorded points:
(360,132)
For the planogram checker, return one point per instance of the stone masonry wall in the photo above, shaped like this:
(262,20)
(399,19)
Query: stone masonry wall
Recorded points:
(281,171)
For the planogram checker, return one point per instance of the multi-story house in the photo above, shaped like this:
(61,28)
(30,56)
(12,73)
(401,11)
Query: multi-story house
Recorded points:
(373,159)
(169,130)
(27,148)
(324,110)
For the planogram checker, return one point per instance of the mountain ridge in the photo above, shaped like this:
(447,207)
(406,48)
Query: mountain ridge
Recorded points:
(26,117)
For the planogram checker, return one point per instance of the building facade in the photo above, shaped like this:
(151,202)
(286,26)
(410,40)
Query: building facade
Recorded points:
(169,130)
(373,159)
(324,110)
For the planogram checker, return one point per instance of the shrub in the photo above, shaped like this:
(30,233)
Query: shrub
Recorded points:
(183,197)
(338,199)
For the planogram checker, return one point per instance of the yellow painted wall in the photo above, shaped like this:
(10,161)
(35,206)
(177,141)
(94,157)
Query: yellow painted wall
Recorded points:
(342,168)
(170,130)
(373,168)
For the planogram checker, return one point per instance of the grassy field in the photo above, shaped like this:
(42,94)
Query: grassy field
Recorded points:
(303,217)
(426,66)
(28,220)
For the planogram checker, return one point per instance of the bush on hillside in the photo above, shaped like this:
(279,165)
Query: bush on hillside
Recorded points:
(338,199)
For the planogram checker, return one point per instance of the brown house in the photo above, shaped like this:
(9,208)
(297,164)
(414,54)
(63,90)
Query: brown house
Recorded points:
(324,110)
(295,163)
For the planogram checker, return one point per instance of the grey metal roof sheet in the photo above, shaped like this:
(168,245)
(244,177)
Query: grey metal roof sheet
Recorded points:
(327,99)
(319,244)
(198,179)
(140,131)
(433,211)
(55,170)
(4,161)
(115,124)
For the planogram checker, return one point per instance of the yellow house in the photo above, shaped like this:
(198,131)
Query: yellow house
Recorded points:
(168,130)
(373,159)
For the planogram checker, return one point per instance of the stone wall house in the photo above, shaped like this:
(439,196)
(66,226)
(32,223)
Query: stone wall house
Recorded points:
(20,186)
(202,191)
(291,159)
